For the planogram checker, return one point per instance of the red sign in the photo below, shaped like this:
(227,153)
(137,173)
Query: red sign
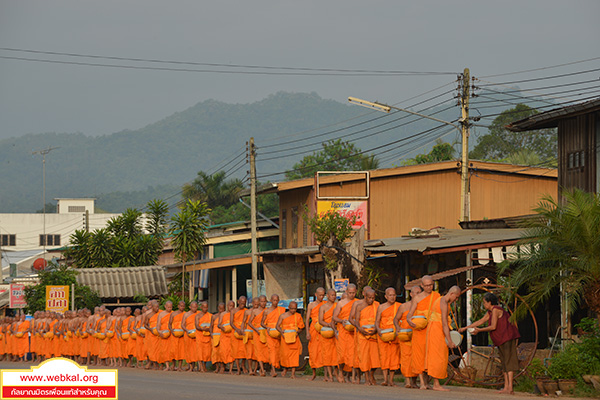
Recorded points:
(17,296)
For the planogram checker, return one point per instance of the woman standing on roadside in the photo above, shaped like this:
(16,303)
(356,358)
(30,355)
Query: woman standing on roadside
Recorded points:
(504,335)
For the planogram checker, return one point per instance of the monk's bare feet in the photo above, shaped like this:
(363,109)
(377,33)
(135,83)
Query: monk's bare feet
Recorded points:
(293,376)
(423,387)
(340,378)
(384,384)
(274,374)
(263,373)
(440,388)
(408,386)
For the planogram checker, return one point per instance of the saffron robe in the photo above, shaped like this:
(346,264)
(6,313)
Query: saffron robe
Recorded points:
(314,345)
(368,353)
(203,347)
(261,350)
(328,347)
(389,352)
(406,350)
(436,358)
(272,343)
(238,348)
(345,339)
(419,338)
(290,352)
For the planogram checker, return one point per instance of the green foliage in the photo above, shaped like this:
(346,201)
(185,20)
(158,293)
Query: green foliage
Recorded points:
(59,275)
(157,217)
(175,299)
(572,363)
(373,276)
(537,369)
(440,152)
(121,243)
(501,143)
(188,229)
(562,247)
(336,155)
(330,225)
(213,189)
(49,207)
(140,298)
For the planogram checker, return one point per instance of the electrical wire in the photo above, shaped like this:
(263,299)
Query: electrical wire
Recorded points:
(541,78)
(557,105)
(542,68)
(152,60)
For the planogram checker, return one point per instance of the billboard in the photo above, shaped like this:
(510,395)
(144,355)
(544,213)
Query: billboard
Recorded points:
(57,298)
(347,209)
(17,296)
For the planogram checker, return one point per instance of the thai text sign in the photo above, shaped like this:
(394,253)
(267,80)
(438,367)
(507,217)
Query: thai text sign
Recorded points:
(17,296)
(57,298)
(59,378)
(347,209)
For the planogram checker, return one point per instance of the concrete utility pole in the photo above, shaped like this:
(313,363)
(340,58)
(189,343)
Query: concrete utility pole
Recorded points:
(43,153)
(252,152)
(464,121)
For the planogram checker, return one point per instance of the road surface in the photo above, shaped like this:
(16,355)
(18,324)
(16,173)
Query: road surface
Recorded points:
(157,385)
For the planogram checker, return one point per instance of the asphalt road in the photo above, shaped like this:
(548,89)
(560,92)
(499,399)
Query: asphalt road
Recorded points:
(157,385)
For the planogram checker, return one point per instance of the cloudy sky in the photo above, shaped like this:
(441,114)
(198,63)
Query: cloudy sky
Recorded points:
(489,37)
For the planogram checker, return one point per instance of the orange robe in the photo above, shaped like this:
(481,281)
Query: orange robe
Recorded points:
(215,354)
(141,349)
(389,352)
(436,359)
(151,342)
(314,345)
(114,346)
(176,344)
(84,340)
(328,348)
(261,350)
(164,352)
(406,350)
(368,353)
(249,336)
(272,343)
(189,344)
(290,352)
(419,338)
(103,351)
(95,342)
(131,343)
(202,342)
(22,344)
(225,345)
(125,342)
(345,339)
(238,348)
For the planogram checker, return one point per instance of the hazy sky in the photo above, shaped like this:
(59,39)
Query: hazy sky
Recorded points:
(489,37)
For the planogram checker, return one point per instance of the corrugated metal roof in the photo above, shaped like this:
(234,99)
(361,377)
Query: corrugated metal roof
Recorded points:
(296,251)
(445,238)
(442,275)
(125,282)
(549,119)
(4,299)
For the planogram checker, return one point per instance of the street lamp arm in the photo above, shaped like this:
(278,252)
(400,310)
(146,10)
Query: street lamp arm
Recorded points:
(385,108)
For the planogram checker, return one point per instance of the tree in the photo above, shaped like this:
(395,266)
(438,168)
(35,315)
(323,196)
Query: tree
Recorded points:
(214,190)
(336,155)
(59,275)
(561,249)
(122,243)
(188,229)
(440,152)
(500,143)
(331,230)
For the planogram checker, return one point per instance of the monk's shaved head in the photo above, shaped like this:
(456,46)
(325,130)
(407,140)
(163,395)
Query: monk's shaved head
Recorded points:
(454,289)
(351,286)
(320,290)
(390,290)
(329,291)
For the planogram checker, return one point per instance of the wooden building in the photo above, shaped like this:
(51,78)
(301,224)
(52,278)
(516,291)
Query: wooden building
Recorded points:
(578,142)
(391,202)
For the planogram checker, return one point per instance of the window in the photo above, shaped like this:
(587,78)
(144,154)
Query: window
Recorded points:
(294,226)
(283,229)
(50,240)
(576,160)
(8,240)
(76,209)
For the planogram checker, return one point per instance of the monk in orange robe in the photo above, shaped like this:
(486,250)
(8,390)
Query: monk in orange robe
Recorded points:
(289,325)
(389,349)
(132,341)
(345,338)
(438,338)
(103,326)
(261,350)
(421,307)
(269,320)
(84,348)
(401,324)
(238,348)
(188,324)
(163,354)
(203,344)
(328,347)
(176,338)
(152,339)
(226,334)
(22,337)
(249,337)
(215,335)
(141,351)
(368,353)
(312,335)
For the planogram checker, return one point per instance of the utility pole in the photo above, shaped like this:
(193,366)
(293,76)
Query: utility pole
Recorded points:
(43,152)
(252,153)
(464,174)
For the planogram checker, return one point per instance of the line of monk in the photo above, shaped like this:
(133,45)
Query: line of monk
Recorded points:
(347,338)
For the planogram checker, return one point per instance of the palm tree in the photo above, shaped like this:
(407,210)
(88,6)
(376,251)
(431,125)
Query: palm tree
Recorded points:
(561,249)
(213,189)
(188,229)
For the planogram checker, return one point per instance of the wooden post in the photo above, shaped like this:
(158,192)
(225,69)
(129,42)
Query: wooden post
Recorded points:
(253,228)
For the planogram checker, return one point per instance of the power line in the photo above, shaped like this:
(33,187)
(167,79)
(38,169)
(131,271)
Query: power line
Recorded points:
(542,68)
(268,67)
(542,78)
(557,105)
(216,71)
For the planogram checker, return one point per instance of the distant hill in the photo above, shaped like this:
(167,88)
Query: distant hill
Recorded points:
(128,168)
